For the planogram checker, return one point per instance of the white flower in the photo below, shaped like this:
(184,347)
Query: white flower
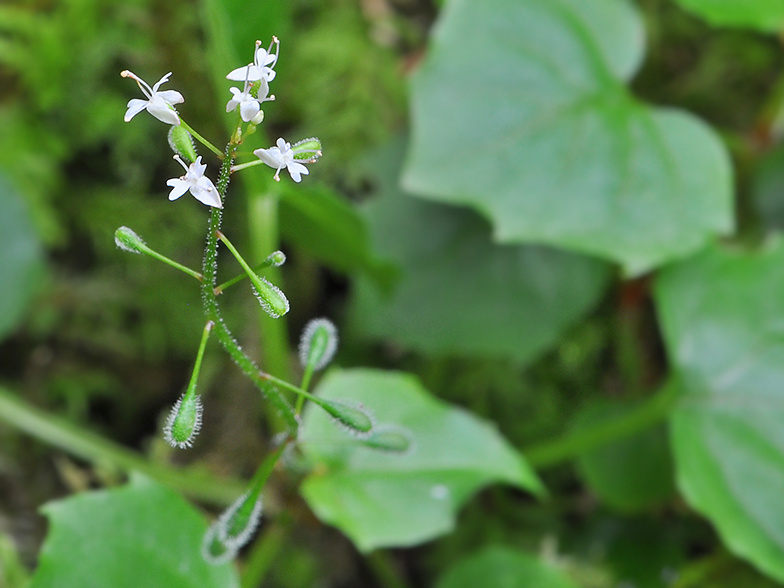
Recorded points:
(194,180)
(280,157)
(249,106)
(158,104)
(261,68)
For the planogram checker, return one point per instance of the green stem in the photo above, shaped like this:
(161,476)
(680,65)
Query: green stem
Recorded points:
(201,139)
(212,311)
(650,413)
(95,449)
(305,384)
(191,391)
(384,570)
(154,254)
(246,165)
(263,554)
(257,268)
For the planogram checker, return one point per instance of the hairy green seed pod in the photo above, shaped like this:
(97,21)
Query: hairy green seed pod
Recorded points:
(390,438)
(275,259)
(357,420)
(270,297)
(184,421)
(213,550)
(238,522)
(318,344)
(307,149)
(182,143)
(129,241)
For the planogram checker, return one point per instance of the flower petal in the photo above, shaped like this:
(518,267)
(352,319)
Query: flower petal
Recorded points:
(270,156)
(238,75)
(162,111)
(205,192)
(295,169)
(249,109)
(172,96)
(179,187)
(135,106)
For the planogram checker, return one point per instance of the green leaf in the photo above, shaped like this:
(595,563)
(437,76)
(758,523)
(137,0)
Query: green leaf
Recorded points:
(458,293)
(329,228)
(21,263)
(764,15)
(520,111)
(723,319)
(142,534)
(631,474)
(503,567)
(382,499)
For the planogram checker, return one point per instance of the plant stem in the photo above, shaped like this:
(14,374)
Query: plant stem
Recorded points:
(653,411)
(384,569)
(263,554)
(155,255)
(212,311)
(202,140)
(95,449)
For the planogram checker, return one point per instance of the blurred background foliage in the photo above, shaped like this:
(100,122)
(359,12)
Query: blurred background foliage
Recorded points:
(107,339)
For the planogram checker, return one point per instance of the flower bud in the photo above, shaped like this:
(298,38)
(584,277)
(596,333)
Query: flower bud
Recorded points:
(275,259)
(258,118)
(184,421)
(357,420)
(182,143)
(390,438)
(129,241)
(318,344)
(271,298)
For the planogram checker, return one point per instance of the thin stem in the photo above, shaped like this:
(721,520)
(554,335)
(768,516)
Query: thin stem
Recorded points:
(154,254)
(284,384)
(96,449)
(191,390)
(384,570)
(212,311)
(246,165)
(238,278)
(201,139)
(305,384)
(653,411)
(263,554)
(236,254)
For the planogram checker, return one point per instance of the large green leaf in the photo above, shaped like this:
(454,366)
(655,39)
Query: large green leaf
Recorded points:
(503,567)
(382,499)
(142,534)
(520,110)
(459,293)
(723,320)
(21,263)
(765,15)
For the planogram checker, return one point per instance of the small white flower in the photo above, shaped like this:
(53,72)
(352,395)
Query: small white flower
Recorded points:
(262,67)
(200,186)
(283,156)
(249,106)
(158,104)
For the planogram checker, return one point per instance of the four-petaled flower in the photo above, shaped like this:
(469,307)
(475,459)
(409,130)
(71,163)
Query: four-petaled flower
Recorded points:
(284,156)
(249,106)
(263,62)
(200,186)
(158,104)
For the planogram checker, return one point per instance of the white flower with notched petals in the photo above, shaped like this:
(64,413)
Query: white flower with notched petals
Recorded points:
(262,67)
(200,186)
(249,106)
(280,157)
(158,104)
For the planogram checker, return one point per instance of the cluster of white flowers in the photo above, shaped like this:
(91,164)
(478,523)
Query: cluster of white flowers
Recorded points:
(256,77)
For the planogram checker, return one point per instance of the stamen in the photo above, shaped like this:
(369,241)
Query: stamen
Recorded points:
(146,90)
(182,163)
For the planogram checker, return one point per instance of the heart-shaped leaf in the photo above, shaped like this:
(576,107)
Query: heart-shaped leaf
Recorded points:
(764,15)
(382,499)
(520,111)
(459,293)
(142,534)
(723,320)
